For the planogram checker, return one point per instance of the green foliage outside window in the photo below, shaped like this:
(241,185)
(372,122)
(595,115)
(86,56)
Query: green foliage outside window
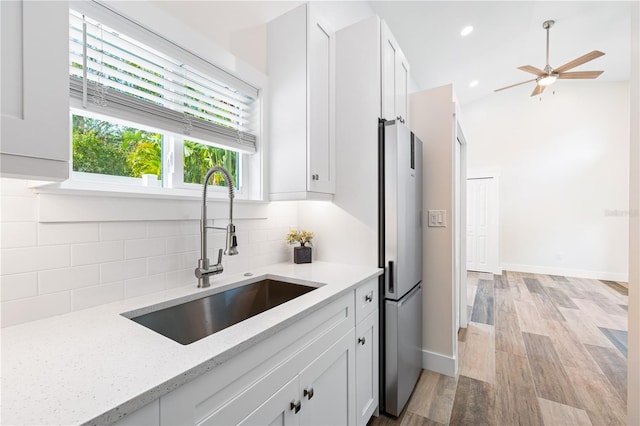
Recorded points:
(199,158)
(105,148)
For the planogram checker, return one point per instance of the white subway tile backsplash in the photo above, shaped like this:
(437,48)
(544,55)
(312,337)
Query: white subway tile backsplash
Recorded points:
(158,264)
(235,264)
(18,234)
(18,209)
(84,254)
(67,233)
(181,278)
(18,286)
(183,244)
(56,280)
(118,271)
(15,187)
(257,236)
(52,267)
(277,234)
(173,228)
(97,295)
(111,231)
(29,259)
(144,285)
(144,247)
(189,259)
(35,308)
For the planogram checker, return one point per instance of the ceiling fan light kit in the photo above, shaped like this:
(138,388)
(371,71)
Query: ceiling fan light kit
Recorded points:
(547,76)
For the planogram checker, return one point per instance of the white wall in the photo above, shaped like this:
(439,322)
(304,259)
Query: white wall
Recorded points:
(432,120)
(564,176)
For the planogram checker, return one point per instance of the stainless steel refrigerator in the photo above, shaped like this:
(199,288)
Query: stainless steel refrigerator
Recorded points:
(400,254)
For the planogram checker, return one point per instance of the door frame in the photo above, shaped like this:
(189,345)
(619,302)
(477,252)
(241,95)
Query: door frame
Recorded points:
(495,175)
(460,231)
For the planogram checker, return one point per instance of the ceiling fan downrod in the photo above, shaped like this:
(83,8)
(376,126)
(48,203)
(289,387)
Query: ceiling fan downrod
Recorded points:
(546,25)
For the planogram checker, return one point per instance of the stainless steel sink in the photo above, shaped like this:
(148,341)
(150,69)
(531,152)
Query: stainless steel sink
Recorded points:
(191,321)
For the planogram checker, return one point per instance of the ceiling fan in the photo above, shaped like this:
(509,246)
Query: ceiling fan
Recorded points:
(549,75)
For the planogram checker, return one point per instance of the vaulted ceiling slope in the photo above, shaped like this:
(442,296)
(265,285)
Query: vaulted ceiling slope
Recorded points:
(506,35)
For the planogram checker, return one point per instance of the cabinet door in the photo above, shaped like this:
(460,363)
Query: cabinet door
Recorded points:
(402,88)
(321,110)
(281,409)
(395,78)
(35,89)
(366,368)
(389,54)
(327,386)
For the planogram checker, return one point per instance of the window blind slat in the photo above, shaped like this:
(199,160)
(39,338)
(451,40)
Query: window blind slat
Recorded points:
(138,76)
(132,81)
(149,58)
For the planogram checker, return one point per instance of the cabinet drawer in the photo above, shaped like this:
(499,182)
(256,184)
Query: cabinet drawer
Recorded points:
(366,299)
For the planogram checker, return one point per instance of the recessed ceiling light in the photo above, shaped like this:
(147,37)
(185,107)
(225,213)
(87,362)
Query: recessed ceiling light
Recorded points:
(466,31)
(474,83)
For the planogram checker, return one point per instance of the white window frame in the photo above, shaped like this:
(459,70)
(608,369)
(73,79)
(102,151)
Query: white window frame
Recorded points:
(250,173)
(172,170)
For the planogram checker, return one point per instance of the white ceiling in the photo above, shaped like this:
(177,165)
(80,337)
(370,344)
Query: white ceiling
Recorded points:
(507,34)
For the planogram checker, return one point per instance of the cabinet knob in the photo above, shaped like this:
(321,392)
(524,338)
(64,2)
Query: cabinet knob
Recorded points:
(295,406)
(315,177)
(361,340)
(369,297)
(308,393)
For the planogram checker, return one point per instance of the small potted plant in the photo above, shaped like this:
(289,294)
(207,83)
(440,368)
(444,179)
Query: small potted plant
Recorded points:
(302,253)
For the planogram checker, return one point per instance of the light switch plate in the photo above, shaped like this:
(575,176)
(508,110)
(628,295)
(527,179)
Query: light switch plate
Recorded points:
(437,218)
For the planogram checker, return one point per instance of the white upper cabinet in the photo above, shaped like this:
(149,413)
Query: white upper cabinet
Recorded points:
(35,90)
(301,49)
(395,78)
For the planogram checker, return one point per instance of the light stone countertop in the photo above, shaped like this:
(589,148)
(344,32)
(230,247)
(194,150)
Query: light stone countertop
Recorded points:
(94,366)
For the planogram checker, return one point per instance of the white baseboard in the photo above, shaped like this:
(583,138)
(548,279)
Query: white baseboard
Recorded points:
(439,363)
(566,272)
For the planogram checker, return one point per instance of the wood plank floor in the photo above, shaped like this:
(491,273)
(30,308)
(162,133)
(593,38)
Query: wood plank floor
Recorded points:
(539,350)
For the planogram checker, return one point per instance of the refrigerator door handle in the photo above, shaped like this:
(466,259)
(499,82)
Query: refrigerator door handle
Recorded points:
(391,284)
(410,295)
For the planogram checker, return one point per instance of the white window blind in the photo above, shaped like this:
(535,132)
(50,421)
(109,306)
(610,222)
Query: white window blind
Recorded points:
(116,75)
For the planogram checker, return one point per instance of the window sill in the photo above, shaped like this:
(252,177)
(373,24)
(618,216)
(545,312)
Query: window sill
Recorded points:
(91,202)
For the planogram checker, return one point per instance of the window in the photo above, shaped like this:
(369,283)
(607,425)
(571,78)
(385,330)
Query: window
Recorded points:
(106,148)
(142,105)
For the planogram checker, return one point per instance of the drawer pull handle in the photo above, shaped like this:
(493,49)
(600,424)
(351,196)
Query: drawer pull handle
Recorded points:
(361,340)
(295,406)
(308,393)
(369,297)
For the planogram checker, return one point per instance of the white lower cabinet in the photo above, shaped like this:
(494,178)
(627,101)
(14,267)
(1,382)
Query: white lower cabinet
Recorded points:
(316,371)
(320,394)
(328,386)
(366,368)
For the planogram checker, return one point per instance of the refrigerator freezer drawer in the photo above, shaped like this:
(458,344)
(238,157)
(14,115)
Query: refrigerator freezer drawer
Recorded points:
(403,348)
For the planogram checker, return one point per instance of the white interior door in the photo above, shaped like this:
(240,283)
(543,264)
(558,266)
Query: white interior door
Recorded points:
(482,225)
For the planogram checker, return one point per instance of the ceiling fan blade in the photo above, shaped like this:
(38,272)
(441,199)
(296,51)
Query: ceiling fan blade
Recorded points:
(580,74)
(539,89)
(514,85)
(531,69)
(579,61)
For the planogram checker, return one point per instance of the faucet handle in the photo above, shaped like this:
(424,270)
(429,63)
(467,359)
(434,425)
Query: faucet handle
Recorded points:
(219,256)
